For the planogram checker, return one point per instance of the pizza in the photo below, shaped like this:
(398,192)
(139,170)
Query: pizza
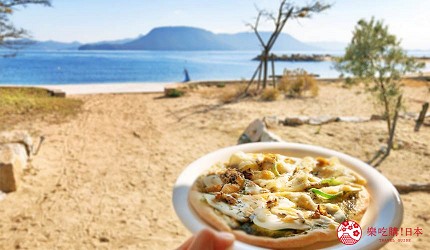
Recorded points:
(277,201)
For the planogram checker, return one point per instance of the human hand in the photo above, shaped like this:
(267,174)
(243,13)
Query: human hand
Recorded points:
(209,239)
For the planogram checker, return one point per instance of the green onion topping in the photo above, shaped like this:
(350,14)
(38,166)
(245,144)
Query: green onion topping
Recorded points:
(331,181)
(325,195)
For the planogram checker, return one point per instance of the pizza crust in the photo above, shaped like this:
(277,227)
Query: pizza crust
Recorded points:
(206,212)
(311,237)
(209,215)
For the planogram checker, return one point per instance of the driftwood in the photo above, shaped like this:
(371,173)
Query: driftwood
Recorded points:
(412,187)
(421,117)
(319,120)
(324,119)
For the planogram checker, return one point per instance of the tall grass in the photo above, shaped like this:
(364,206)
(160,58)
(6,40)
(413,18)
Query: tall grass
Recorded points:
(18,104)
(298,83)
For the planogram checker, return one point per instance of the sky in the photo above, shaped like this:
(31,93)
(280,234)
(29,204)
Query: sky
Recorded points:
(100,20)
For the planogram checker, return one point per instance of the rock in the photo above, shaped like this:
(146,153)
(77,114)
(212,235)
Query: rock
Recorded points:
(353,119)
(397,145)
(409,115)
(13,159)
(2,196)
(271,121)
(296,121)
(253,132)
(21,137)
(376,117)
(16,147)
(257,132)
(322,120)
(244,138)
(57,93)
(268,136)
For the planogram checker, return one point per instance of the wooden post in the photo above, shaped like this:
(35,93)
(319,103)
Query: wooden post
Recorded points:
(259,75)
(273,71)
(421,117)
(391,136)
(252,79)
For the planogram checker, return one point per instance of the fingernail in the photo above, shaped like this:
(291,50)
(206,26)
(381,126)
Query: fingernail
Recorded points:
(226,236)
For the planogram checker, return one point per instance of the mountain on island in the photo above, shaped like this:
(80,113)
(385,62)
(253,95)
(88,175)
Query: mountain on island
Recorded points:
(54,45)
(190,38)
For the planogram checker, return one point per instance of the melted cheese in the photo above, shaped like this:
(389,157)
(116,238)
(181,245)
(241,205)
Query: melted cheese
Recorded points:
(212,180)
(301,200)
(340,188)
(241,211)
(265,219)
(289,205)
(252,188)
(243,161)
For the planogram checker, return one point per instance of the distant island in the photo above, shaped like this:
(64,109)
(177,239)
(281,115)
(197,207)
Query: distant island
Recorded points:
(299,57)
(182,38)
(190,38)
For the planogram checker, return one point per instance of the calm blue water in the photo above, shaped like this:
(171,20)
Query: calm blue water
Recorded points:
(68,67)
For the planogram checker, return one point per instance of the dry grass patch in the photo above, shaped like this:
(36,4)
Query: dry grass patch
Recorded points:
(298,83)
(231,94)
(270,94)
(18,104)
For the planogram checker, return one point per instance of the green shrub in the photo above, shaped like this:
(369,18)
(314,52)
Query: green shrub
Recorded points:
(175,93)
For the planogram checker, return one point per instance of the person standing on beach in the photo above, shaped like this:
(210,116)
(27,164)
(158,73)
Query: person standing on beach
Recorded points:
(187,76)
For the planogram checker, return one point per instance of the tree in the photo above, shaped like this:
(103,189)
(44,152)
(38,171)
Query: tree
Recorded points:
(11,36)
(286,11)
(374,56)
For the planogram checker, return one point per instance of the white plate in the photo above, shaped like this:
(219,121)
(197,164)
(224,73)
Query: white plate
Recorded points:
(385,208)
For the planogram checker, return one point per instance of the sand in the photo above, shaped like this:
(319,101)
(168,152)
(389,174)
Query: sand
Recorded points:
(101,88)
(104,179)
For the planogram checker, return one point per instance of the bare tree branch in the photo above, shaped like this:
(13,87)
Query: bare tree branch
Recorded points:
(255,26)
(286,11)
(11,3)
(10,36)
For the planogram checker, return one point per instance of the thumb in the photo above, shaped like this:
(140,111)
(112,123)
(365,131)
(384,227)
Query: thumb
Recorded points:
(211,240)
(223,240)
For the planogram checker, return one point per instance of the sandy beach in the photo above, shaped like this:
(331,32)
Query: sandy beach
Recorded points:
(104,179)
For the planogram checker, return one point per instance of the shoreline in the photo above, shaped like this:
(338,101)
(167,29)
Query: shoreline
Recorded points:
(149,87)
(99,88)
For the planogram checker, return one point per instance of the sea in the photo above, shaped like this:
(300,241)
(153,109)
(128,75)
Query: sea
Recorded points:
(73,67)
